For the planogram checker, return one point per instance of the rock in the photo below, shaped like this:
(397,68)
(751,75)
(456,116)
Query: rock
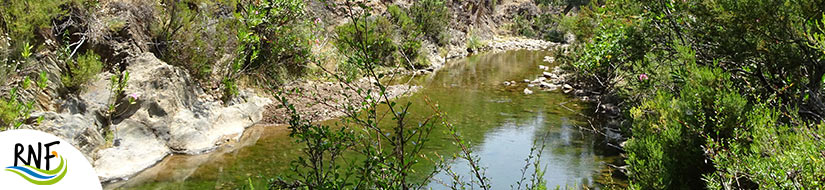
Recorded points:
(140,148)
(96,94)
(506,83)
(570,38)
(531,85)
(542,67)
(567,87)
(82,132)
(526,80)
(546,85)
(549,59)
(548,75)
(170,117)
(528,91)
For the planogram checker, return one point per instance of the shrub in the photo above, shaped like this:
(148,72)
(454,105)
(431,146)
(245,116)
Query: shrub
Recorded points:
(22,19)
(543,26)
(274,40)
(474,43)
(409,36)
(769,155)
(82,70)
(432,17)
(9,112)
(733,97)
(14,109)
(378,39)
(669,131)
(194,36)
(582,25)
(523,26)
(600,59)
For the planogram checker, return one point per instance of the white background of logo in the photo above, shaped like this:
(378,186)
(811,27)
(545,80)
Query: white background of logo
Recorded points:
(80,174)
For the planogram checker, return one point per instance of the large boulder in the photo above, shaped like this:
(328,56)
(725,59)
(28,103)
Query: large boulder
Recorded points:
(172,115)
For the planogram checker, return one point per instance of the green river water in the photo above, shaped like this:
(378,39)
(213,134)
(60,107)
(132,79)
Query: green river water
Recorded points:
(500,122)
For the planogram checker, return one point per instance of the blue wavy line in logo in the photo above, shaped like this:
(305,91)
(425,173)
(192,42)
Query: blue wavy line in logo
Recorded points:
(31,173)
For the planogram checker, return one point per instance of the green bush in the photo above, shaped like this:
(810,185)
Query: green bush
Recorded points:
(409,36)
(669,130)
(769,155)
(432,17)
(474,43)
(22,20)
(20,23)
(194,35)
(82,70)
(719,94)
(543,26)
(14,109)
(9,112)
(378,40)
(523,26)
(582,25)
(274,40)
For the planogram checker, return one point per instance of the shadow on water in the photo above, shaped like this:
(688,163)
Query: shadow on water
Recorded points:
(500,122)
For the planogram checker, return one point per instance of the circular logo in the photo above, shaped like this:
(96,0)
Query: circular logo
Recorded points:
(32,159)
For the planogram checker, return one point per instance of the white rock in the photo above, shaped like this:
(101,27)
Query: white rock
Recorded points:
(549,59)
(547,75)
(542,67)
(545,85)
(567,86)
(528,91)
(82,131)
(170,117)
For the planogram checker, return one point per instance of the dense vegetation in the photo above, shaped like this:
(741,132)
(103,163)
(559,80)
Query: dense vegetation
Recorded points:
(719,94)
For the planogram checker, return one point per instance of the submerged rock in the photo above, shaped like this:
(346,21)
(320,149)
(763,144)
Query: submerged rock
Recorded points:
(528,91)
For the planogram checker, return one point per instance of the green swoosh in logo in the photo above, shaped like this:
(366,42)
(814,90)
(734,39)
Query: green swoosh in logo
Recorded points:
(62,167)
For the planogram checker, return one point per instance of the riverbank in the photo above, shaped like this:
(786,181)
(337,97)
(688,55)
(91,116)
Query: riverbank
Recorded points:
(335,95)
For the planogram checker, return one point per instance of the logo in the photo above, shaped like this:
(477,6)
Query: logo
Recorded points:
(37,174)
(36,160)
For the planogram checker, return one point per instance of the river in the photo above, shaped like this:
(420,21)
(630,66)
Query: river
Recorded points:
(499,121)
